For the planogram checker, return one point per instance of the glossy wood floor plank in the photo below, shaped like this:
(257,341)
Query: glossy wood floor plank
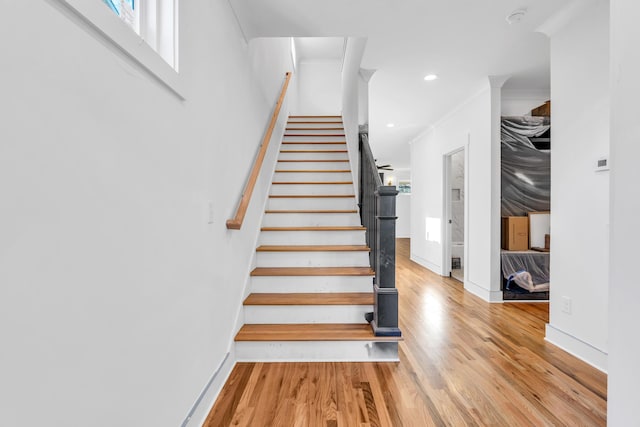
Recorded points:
(463,362)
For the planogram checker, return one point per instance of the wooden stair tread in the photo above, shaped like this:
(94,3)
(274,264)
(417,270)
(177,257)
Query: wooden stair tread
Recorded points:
(314,171)
(314,134)
(288,128)
(313,161)
(312,271)
(304,117)
(316,228)
(313,151)
(315,142)
(313,248)
(310,332)
(347,298)
(310,196)
(310,211)
(311,182)
(327,122)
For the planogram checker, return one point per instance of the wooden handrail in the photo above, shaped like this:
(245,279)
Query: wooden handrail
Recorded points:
(236,222)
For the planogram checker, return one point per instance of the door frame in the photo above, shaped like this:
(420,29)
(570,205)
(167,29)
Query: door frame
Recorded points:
(446,209)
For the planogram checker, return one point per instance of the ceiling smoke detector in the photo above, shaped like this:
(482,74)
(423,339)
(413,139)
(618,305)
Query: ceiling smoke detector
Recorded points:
(516,16)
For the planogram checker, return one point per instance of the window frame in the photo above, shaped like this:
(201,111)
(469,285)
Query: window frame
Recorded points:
(110,27)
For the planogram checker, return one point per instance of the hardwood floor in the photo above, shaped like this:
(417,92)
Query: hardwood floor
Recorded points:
(463,362)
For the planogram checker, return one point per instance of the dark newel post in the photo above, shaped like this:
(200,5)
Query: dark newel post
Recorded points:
(385,317)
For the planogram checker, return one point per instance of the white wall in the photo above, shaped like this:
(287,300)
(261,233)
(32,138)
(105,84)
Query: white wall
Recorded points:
(319,87)
(469,126)
(349,98)
(363,96)
(579,195)
(403,212)
(403,202)
(118,299)
(521,102)
(624,347)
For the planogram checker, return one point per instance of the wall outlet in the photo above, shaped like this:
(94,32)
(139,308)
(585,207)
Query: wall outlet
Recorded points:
(566,305)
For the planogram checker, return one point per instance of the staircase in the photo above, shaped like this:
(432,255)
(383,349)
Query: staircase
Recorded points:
(313,282)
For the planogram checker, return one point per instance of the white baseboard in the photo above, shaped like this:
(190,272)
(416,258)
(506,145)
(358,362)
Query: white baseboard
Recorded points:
(580,349)
(427,264)
(477,290)
(485,294)
(198,414)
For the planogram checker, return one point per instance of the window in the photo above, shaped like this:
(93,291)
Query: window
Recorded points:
(126,10)
(155,21)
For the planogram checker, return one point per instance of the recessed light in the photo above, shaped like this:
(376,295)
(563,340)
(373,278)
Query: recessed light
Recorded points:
(430,77)
(390,125)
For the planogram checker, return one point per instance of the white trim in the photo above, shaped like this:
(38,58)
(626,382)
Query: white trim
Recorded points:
(426,264)
(104,25)
(578,348)
(447,212)
(481,292)
(203,404)
(467,209)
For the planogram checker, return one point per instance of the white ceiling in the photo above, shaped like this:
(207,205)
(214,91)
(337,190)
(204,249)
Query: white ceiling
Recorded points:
(320,48)
(462,41)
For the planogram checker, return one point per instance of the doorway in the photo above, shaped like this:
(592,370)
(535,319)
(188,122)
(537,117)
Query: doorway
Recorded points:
(454,200)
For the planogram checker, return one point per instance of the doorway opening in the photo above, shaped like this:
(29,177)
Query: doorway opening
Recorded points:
(454,202)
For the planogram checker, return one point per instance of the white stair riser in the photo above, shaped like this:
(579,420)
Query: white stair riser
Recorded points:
(310,219)
(326,131)
(303,146)
(318,134)
(355,237)
(318,351)
(295,137)
(310,284)
(298,125)
(294,314)
(314,189)
(312,165)
(312,156)
(317,119)
(312,176)
(322,203)
(313,259)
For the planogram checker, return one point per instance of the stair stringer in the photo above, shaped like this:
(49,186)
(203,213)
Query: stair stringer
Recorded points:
(271,158)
